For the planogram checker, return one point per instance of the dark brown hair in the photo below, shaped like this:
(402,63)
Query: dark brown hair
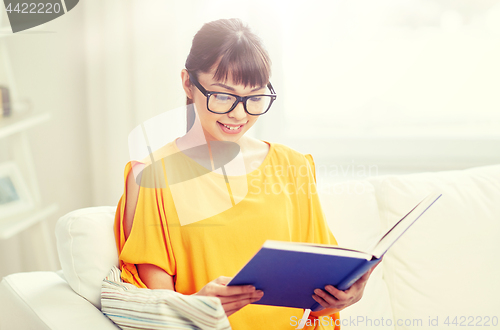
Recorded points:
(234,48)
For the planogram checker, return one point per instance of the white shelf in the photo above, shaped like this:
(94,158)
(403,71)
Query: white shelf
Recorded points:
(14,127)
(13,225)
(18,122)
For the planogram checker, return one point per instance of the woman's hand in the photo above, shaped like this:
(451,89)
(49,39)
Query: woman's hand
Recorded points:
(233,298)
(336,300)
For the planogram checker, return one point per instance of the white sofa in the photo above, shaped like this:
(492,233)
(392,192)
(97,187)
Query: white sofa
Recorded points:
(442,274)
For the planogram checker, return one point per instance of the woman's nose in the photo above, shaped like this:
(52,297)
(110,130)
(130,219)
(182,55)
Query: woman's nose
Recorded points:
(238,113)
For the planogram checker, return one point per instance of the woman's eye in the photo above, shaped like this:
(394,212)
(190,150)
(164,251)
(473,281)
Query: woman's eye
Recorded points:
(256,99)
(222,97)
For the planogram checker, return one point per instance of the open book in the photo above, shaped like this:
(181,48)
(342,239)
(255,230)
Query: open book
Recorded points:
(289,272)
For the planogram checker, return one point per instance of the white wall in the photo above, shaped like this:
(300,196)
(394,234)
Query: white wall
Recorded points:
(49,70)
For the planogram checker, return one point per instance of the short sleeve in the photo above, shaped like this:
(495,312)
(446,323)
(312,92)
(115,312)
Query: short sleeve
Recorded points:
(310,160)
(149,239)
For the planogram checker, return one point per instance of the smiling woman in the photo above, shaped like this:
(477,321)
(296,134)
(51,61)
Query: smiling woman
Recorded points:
(220,102)
(225,54)
(190,235)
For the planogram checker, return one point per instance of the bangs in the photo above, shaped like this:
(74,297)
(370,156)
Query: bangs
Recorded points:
(244,63)
(229,49)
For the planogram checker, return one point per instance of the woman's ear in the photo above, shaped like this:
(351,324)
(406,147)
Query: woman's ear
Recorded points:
(186,84)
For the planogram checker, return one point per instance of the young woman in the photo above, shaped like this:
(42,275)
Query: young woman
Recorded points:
(227,79)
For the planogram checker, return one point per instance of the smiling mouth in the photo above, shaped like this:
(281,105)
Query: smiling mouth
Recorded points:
(231,127)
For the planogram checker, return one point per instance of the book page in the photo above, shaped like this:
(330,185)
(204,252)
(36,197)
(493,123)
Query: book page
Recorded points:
(316,248)
(393,234)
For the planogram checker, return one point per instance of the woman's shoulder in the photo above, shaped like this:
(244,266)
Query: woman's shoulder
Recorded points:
(156,155)
(293,160)
(138,164)
(289,153)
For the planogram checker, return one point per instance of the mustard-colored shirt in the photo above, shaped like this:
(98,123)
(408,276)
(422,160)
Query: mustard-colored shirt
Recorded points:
(201,226)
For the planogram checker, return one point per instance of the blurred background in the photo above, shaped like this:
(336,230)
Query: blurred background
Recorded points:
(367,87)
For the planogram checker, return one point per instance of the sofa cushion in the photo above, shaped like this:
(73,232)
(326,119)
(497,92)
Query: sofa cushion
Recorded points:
(87,249)
(352,214)
(445,265)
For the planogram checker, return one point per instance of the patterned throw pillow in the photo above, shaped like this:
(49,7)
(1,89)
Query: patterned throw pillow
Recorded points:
(130,307)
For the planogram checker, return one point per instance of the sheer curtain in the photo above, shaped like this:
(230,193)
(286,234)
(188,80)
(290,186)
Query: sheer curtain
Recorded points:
(403,86)
(396,85)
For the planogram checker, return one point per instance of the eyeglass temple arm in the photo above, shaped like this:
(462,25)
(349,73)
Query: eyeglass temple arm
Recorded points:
(271,88)
(197,84)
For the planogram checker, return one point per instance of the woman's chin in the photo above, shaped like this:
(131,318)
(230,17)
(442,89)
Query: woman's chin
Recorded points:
(230,139)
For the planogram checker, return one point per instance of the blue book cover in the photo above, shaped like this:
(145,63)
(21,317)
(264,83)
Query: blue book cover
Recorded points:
(289,272)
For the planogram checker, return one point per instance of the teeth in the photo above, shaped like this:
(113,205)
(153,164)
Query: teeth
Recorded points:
(232,128)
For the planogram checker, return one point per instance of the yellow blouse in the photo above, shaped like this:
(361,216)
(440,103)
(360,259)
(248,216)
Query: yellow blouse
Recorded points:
(197,234)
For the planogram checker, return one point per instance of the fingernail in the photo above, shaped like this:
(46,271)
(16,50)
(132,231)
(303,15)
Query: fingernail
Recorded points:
(317,291)
(251,288)
(329,287)
(260,292)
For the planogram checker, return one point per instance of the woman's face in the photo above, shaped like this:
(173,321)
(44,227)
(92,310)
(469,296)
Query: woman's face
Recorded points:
(215,126)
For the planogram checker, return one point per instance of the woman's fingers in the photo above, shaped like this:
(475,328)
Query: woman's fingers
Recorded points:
(331,297)
(338,294)
(233,298)
(223,280)
(320,300)
(234,290)
(241,297)
(218,287)
(223,290)
(230,305)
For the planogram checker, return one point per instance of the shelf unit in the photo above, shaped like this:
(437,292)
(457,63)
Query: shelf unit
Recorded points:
(18,122)
(22,221)
(14,129)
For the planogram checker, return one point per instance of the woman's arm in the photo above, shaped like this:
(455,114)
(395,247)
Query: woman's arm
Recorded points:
(153,276)
(232,298)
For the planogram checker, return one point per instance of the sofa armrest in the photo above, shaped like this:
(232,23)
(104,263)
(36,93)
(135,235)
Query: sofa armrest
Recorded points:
(43,300)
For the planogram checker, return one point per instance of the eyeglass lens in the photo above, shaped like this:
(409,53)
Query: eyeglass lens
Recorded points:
(223,102)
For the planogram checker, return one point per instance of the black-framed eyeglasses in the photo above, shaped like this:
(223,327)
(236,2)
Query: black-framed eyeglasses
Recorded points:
(221,103)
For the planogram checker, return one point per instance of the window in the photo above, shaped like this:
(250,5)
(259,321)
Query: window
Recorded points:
(391,82)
